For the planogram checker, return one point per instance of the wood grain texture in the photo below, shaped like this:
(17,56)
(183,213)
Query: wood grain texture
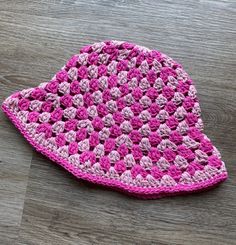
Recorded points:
(15,159)
(36,38)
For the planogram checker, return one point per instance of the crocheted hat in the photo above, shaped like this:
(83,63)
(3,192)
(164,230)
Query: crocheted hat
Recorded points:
(123,116)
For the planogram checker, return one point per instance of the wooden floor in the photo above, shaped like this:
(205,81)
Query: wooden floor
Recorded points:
(40,203)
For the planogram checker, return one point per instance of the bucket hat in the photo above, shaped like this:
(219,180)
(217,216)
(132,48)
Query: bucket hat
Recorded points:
(122,116)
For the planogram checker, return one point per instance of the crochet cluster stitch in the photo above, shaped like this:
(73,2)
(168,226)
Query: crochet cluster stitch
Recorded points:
(123,116)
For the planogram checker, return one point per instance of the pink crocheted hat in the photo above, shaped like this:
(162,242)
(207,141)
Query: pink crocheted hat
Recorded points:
(123,116)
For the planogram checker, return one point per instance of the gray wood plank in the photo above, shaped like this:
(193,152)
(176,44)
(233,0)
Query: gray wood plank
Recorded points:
(15,159)
(36,38)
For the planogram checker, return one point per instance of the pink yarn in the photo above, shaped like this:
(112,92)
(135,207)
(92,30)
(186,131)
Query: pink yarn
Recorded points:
(135,136)
(102,70)
(154,124)
(195,134)
(140,58)
(156,173)
(105,163)
(169,155)
(60,140)
(172,122)
(93,58)
(109,145)
(154,139)
(72,62)
(122,65)
(124,89)
(120,103)
(75,87)
(214,161)
(73,148)
(191,119)
(112,81)
(62,76)
(45,128)
(56,115)
(170,107)
(136,108)
(82,72)
(94,85)
(47,106)
(123,150)
(134,73)
(183,87)
(193,167)
(24,104)
(154,109)
(118,117)
(81,134)
(94,139)
(154,155)
(109,48)
(82,113)
(106,95)
(123,116)
(188,103)
(66,100)
(115,131)
(137,93)
(185,152)
(174,172)
(137,153)
(102,110)
(152,93)
(33,116)
(166,72)
(71,124)
(137,169)
(136,122)
(151,77)
(97,123)
(88,100)
(52,86)
(206,146)
(176,137)
(120,166)
(85,156)
(38,94)
(168,92)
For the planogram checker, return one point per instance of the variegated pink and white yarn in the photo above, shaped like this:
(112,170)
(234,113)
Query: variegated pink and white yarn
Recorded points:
(123,116)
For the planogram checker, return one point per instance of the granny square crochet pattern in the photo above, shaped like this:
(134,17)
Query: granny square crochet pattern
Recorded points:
(123,116)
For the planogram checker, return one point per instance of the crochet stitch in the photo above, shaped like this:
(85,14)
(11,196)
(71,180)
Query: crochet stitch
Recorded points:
(123,116)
